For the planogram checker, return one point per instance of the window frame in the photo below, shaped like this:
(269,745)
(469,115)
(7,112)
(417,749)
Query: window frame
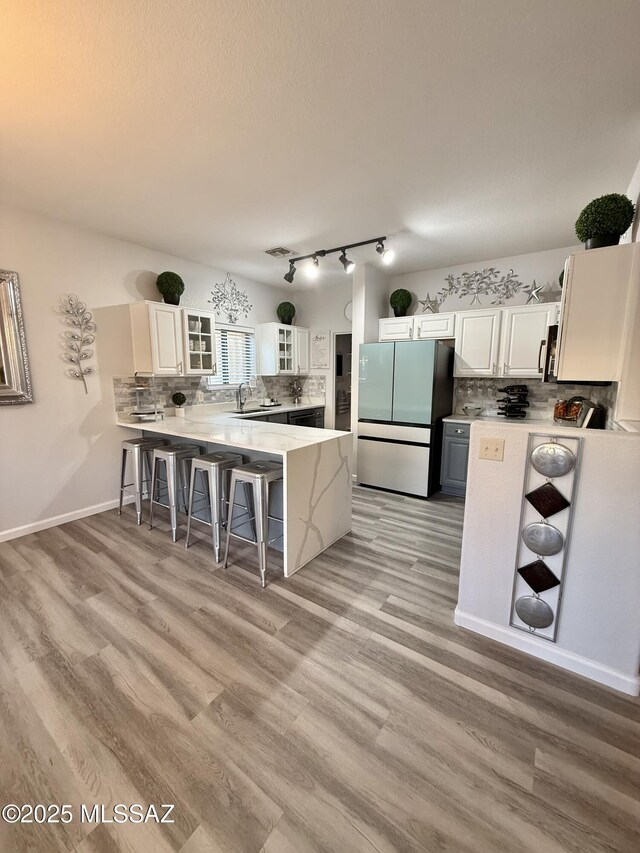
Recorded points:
(217,381)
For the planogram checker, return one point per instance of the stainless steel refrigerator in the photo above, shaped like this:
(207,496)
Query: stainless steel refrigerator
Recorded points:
(404,390)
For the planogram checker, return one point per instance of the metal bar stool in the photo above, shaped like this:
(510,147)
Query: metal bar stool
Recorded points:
(215,471)
(139,450)
(175,458)
(259,476)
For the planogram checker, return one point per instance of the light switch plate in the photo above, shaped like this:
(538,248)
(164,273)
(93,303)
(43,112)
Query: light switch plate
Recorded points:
(492,448)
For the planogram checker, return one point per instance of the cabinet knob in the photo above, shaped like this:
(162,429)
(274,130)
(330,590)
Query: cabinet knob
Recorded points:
(459,431)
(505,367)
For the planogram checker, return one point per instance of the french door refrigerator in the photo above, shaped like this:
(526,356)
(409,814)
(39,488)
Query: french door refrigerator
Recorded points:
(404,390)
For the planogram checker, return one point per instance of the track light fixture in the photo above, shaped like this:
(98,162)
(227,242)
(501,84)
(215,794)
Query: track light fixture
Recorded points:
(348,265)
(312,268)
(387,255)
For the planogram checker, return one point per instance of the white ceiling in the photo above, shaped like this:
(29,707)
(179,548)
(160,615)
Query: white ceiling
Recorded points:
(215,130)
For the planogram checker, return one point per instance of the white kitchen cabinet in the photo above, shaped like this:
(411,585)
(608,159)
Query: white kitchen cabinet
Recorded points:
(277,350)
(395,329)
(417,327)
(595,313)
(433,326)
(199,336)
(302,350)
(156,331)
(477,343)
(524,332)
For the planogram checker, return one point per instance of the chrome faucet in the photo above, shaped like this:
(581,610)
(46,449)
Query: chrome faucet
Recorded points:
(240,400)
(296,391)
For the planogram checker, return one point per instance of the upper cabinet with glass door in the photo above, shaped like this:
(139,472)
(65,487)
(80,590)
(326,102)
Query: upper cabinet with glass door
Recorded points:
(199,336)
(277,350)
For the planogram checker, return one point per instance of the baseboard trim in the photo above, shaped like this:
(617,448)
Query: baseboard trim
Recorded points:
(54,521)
(550,653)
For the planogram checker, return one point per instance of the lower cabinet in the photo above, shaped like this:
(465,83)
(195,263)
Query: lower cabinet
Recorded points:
(312,417)
(455,457)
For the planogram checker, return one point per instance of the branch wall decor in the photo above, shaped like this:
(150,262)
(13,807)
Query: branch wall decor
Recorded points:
(77,338)
(229,299)
(478,284)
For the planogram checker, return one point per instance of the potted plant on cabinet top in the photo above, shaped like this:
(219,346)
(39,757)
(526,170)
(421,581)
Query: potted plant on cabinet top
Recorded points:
(286,311)
(400,300)
(604,220)
(171,286)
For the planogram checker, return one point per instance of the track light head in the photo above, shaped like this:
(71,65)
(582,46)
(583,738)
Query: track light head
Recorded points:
(312,268)
(292,271)
(348,265)
(387,255)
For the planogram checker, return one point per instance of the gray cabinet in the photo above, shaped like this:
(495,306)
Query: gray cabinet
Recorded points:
(311,417)
(455,457)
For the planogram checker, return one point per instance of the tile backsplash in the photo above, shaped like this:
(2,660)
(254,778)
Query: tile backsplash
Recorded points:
(278,387)
(542,395)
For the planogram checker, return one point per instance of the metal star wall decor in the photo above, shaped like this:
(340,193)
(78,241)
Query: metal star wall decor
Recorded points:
(533,292)
(429,304)
(229,299)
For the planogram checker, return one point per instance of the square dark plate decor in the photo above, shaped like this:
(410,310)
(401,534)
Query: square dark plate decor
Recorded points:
(547,500)
(539,576)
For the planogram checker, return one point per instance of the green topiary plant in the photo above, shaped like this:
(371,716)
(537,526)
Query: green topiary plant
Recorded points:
(178,399)
(400,300)
(171,286)
(604,220)
(286,311)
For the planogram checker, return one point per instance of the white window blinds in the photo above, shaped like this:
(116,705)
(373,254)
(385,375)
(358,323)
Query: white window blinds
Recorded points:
(235,355)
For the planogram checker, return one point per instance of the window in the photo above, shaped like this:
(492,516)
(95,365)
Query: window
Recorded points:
(235,355)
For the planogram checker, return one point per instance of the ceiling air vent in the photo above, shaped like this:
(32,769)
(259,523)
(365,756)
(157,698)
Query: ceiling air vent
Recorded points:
(279,252)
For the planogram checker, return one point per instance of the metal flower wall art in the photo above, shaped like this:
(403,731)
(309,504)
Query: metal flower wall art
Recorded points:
(77,338)
(229,300)
(477,284)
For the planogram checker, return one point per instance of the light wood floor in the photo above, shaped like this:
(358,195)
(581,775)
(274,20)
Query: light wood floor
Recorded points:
(338,711)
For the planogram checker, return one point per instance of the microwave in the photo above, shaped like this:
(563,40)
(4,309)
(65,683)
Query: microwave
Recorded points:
(547,358)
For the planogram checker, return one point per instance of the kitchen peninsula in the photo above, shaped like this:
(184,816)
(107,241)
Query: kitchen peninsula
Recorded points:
(316,490)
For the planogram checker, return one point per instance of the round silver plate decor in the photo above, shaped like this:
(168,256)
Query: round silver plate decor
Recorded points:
(534,612)
(552,459)
(543,539)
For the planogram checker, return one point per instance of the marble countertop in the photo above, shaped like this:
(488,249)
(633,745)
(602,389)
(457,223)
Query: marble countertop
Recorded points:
(217,425)
(253,409)
(465,419)
(629,426)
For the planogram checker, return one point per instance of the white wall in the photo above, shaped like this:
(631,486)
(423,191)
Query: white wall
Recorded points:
(544,267)
(60,455)
(321,309)
(599,628)
(370,289)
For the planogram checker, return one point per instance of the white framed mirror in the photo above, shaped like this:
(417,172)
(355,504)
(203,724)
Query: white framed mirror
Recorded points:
(15,379)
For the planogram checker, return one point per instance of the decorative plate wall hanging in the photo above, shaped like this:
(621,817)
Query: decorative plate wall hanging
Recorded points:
(547,500)
(552,459)
(539,576)
(534,612)
(549,490)
(543,539)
